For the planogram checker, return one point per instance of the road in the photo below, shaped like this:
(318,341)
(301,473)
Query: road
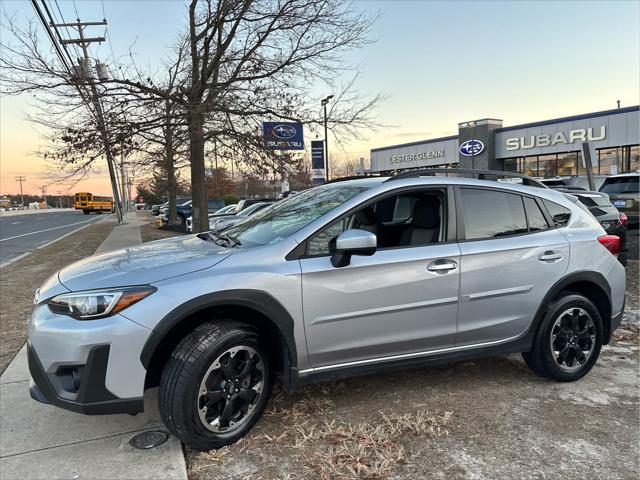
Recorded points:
(21,234)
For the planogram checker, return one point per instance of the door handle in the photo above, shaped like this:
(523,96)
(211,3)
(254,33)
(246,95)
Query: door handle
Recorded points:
(442,266)
(550,256)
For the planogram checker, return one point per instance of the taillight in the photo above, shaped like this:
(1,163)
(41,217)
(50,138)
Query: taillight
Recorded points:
(611,243)
(623,218)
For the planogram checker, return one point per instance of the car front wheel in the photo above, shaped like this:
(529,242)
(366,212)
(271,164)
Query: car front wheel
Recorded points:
(215,385)
(568,340)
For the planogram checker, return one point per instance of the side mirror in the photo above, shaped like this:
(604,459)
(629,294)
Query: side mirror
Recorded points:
(353,242)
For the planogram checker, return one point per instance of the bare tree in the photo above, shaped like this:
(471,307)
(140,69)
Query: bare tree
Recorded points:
(246,61)
(255,58)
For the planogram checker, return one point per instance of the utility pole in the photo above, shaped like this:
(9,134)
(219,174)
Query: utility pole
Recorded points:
(122,181)
(84,66)
(44,195)
(21,179)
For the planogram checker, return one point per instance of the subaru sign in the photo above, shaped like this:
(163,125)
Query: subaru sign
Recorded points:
(283,135)
(471,148)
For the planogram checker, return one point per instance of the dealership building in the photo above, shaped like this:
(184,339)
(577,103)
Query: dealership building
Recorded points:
(546,148)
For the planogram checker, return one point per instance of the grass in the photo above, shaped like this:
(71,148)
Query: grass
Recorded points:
(333,449)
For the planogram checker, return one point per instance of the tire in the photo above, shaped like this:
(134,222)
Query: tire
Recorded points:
(86,212)
(180,220)
(182,401)
(556,334)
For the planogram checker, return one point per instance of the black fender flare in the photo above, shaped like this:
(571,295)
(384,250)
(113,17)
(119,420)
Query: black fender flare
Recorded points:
(595,278)
(257,300)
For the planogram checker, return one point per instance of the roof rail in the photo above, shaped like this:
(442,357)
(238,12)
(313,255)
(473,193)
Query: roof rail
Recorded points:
(481,174)
(350,177)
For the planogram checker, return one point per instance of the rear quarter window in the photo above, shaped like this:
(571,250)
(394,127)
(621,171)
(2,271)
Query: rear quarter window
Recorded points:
(559,214)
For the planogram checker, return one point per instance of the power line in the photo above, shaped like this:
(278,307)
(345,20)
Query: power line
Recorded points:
(81,74)
(51,35)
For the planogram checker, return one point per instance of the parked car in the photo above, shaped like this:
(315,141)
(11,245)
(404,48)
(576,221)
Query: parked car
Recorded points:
(624,192)
(613,221)
(220,223)
(242,204)
(224,211)
(156,209)
(575,181)
(185,210)
(342,279)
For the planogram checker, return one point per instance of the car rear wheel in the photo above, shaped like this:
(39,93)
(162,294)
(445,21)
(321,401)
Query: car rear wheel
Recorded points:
(215,385)
(568,340)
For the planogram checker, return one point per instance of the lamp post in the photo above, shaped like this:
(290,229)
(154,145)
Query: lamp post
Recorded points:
(473,151)
(324,103)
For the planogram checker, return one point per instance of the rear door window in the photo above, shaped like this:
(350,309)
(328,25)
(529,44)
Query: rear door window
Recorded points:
(491,214)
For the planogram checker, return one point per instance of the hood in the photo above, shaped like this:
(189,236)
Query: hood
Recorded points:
(142,264)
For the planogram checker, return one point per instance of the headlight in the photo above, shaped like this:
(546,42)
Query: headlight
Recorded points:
(98,303)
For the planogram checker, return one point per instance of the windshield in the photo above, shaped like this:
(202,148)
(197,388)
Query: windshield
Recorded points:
(286,217)
(621,185)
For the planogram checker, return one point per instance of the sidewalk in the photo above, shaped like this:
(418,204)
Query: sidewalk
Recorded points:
(41,441)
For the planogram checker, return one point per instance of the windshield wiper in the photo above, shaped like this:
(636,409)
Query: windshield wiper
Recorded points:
(215,236)
(227,238)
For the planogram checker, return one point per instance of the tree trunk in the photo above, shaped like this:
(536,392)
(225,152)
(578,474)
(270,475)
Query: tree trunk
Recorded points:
(169,166)
(198,186)
(172,185)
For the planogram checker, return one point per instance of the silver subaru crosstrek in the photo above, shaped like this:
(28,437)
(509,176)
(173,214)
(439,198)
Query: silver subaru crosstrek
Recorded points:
(346,278)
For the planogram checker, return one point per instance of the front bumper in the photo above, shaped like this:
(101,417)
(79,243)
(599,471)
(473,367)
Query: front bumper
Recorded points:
(82,392)
(90,367)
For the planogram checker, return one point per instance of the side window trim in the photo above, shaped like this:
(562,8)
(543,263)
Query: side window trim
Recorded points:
(450,212)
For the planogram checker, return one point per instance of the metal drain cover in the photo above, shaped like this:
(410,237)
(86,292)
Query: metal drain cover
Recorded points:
(149,439)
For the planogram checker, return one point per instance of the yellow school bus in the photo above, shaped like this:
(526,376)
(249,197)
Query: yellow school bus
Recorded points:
(87,202)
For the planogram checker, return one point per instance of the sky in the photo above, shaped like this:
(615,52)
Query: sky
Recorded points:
(438,63)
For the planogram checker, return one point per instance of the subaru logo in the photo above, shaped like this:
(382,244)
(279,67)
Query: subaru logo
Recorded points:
(471,147)
(284,131)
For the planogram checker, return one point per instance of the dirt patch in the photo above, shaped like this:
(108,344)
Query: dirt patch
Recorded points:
(150,231)
(491,418)
(20,279)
